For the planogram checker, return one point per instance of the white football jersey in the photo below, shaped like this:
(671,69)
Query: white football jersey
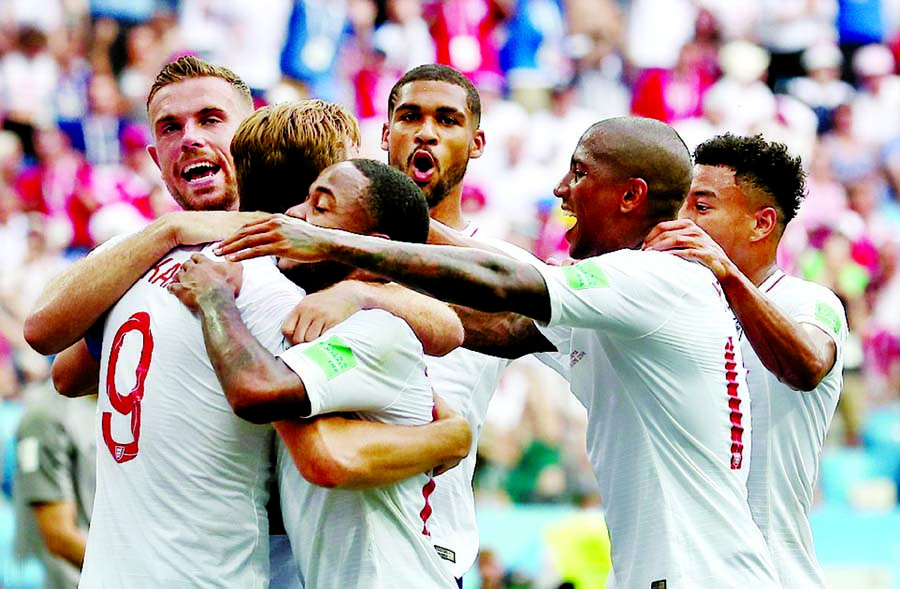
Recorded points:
(789,429)
(372,367)
(467,381)
(181,481)
(649,346)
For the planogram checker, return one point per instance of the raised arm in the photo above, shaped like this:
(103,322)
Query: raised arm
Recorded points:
(75,299)
(335,452)
(434,323)
(799,355)
(461,275)
(259,387)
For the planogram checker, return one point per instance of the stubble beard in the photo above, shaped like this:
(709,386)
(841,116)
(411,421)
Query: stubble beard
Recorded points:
(445,185)
(227,200)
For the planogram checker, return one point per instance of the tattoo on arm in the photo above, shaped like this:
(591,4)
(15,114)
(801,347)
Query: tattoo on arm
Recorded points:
(258,385)
(465,276)
(505,335)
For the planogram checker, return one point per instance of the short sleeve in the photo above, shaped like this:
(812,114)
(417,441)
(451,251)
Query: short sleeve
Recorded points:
(620,293)
(43,454)
(825,311)
(365,363)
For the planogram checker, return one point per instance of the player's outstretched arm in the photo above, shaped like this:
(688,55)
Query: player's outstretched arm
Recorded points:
(434,323)
(799,355)
(335,452)
(259,387)
(75,371)
(505,335)
(75,299)
(461,275)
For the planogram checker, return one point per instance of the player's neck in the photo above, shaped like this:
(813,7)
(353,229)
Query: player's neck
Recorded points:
(758,270)
(449,211)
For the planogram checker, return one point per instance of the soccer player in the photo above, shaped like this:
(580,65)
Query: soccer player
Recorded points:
(370,364)
(432,131)
(194,108)
(645,338)
(745,191)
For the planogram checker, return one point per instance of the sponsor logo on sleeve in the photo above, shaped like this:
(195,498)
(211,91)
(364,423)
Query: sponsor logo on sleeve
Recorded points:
(334,356)
(828,316)
(587,274)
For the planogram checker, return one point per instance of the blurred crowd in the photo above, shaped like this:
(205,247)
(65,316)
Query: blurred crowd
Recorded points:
(819,75)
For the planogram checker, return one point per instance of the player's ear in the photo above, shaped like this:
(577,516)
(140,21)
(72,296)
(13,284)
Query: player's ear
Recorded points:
(635,195)
(151,149)
(385,135)
(476,147)
(766,223)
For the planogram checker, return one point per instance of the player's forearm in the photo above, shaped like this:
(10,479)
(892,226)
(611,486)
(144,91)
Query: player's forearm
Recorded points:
(335,452)
(259,386)
(790,352)
(464,276)
(75,372)
(61,536)
(75,299)
(505,335)
(434,323)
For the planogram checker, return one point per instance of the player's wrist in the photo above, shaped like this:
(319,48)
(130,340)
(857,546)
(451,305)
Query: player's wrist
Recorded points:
(216,298)
(165,230)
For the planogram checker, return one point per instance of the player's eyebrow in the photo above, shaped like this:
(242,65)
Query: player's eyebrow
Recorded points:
(203,112)
(413,107)
(704,192)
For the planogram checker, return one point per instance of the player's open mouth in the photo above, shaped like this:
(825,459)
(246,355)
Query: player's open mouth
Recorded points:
(199,171)
(422,167)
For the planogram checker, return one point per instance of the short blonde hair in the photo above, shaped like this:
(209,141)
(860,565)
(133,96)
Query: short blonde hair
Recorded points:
(189,67)
(280,150)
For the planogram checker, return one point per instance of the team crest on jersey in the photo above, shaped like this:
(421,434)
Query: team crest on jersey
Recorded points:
(120,451)
(661,584)
(575,357)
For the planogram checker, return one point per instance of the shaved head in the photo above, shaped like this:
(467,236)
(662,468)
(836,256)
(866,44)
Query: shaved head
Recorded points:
(645,148)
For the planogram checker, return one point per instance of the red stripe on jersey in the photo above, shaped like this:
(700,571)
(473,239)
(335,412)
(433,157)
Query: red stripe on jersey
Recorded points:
(734,407)
(776,282)
(427,490)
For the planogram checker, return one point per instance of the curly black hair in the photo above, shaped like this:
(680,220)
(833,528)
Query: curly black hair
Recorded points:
(766,165)
(394,203)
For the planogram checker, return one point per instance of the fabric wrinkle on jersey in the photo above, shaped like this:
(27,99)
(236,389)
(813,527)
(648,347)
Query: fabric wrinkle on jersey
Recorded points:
(372,367)
(466,380)
(189,509)
(649,347)
(786,452)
